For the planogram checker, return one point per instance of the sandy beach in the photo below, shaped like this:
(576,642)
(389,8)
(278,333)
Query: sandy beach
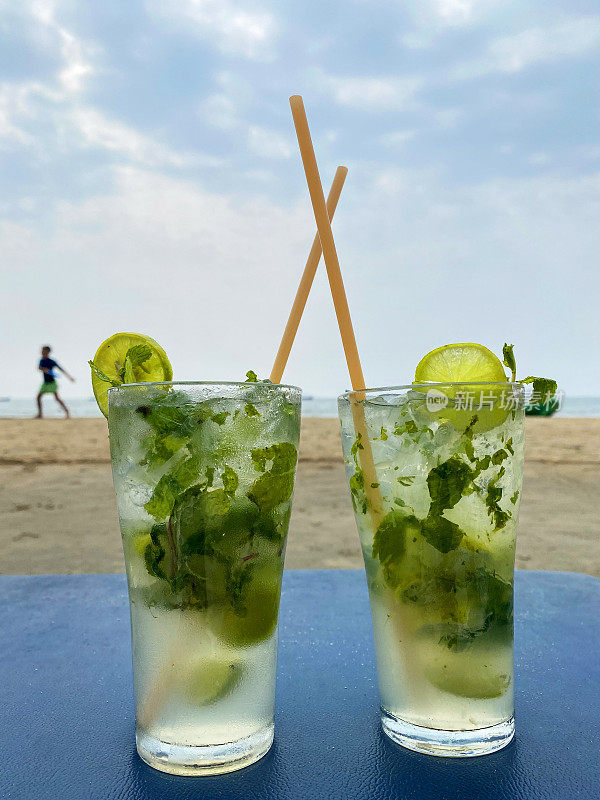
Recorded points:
(59,512)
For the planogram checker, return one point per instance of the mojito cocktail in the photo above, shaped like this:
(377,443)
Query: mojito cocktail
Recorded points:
(435,474)
(204,476)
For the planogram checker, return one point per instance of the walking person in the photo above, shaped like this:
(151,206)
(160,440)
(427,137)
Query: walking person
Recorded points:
(47,366)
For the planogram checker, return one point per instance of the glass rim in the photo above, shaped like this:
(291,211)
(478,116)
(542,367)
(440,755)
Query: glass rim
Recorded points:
(430,385)
(247,384)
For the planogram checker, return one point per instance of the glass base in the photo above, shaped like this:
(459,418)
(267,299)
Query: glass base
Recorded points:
(204,759)
(451,744)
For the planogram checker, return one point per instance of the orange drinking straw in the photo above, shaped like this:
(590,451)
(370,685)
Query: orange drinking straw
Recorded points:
(340,303)
(291,329)
(327,242)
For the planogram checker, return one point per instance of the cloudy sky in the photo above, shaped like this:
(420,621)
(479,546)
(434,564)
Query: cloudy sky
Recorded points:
(151,182)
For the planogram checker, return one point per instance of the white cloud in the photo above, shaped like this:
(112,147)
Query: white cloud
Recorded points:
(233,29)
(455,11)
(227,105)
(77,68)
(220,111)
(41,118)
(433,17)
(540,159)
(369,93)
(96,130)
(77,55)
(10,133)
(268,143)
(512,54)
(395,139)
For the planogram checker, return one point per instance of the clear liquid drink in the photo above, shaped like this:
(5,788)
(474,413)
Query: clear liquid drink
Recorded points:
(204,477)
(435,475)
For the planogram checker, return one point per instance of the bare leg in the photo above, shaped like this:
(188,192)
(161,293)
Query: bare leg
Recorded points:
(62,405)
(39,405)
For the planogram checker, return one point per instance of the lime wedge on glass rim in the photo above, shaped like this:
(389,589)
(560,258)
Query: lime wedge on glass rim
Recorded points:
(110,359)
(460,363)
(469,364)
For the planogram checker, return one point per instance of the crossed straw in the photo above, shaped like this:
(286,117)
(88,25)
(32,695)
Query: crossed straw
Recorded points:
(325,243)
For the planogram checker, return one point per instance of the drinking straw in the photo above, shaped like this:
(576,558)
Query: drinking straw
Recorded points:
(330,256)
(312,262)
(340,303)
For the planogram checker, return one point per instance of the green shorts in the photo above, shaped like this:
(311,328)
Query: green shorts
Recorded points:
(49,388)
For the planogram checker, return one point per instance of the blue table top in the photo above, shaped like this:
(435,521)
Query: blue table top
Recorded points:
(66,729)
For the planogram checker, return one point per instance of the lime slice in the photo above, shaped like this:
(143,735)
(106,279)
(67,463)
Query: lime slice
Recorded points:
(480,681)
(257,618)
(212,679)
(468,364)
(141,542)
(455,363)
(110,359)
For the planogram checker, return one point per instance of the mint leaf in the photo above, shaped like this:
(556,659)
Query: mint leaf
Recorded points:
(509,360)
(159,556)
(186,472)
(406,480)
(271,490)
(492,501)
(251,377)
(357,445)
(489,597)
(470,450)
(499,595)
(282,457)
(163,497)
(127,374)
(277,484)
(265,527)
(251,410)
(357,488)
(498,457)
(195,512)
(515,497)
(230,480)
(544,387)
(103,376)
(168,419)
(383,434)
(389,542)
(220,417)
(138,354)
(468,432)
(441,533)
(153,555)
(447,484)
(482,464)
(410,427)
(162,447)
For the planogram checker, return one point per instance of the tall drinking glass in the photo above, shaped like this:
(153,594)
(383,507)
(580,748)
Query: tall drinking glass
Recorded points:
(204,477)
(435,474)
